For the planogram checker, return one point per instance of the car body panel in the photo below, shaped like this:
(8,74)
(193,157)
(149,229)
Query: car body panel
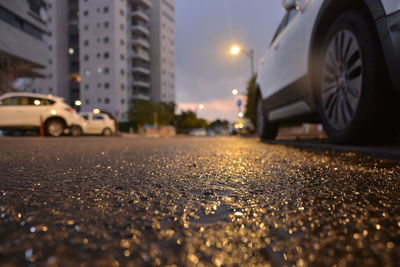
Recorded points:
(31,116)
(391,6)
(94,125)
(284,78)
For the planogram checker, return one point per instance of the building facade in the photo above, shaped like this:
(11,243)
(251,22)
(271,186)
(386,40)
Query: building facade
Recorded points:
(101,54)
(23,50)
(163,51)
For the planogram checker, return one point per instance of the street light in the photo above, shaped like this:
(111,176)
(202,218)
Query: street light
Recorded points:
(240,114)
(235,92)
(236,50)
(201,107)
(78,103)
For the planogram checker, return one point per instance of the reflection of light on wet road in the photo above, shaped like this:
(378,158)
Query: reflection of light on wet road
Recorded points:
(220,201)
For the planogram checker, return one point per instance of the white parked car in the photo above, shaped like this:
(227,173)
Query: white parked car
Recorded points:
(27,111)
(98,123)
(335,62)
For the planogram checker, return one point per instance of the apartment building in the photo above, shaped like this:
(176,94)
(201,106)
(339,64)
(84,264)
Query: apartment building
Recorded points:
(23,39)
(101,53)
(163,51)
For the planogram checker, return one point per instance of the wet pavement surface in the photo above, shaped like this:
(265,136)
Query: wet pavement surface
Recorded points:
(194,202)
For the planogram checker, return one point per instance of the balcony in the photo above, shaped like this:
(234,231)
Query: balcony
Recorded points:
(141,70)
(143,3)
(141,54)
(139,83)
(141,42)
(141,96)
(140,28)
(140,14)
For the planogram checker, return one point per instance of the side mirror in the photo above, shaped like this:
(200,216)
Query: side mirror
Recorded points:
(289,4)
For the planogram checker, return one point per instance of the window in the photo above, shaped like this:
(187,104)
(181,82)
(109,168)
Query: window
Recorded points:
(122,41)
(86,43)
(122,12)
(87,86)
(122,72)
(106,85)
(11,101)
(86,58)
(86,27)
(122,57)
(285,21)
(87,103)
(106,24)
(106,55)
(106,70)
(86,117)
(105,9)
(85,13)
(106,40)
(107,100)
(98,117)
(122,101)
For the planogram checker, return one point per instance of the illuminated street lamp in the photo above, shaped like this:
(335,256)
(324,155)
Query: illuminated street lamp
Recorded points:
(96,111)
(235,92)
(236,50)
(78,103)
(240,114)
(201,107)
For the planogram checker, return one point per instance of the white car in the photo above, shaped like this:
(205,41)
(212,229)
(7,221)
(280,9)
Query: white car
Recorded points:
(30,111)
(98,124)
(335,62)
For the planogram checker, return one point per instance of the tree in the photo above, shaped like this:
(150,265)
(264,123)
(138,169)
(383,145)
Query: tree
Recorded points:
(188,120)
(250,112)
(147,112)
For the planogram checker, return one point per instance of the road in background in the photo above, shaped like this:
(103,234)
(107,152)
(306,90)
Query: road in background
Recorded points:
(194,201)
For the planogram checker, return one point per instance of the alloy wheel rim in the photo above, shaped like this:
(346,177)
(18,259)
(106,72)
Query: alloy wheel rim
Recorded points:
(341,82)
(55,129)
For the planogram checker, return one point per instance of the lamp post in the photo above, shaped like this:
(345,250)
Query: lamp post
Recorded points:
(236,50)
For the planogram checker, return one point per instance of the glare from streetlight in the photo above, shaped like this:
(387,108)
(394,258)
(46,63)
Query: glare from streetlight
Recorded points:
(201,106)
(78,103)
(235,92)
(235,49)
(240,115)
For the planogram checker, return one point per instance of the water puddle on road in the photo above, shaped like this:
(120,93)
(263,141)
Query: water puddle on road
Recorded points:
(219,215)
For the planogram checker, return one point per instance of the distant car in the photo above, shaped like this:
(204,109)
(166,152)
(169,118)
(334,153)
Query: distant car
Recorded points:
(198,132)
(26,111)
(98,124)
(335,62)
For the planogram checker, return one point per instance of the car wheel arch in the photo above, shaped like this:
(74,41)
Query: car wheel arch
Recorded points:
(55,118)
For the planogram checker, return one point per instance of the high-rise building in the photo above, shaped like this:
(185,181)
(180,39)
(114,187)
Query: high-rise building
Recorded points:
(163,51)
(22,43)
(105,51)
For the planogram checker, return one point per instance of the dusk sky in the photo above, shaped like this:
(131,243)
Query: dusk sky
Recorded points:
(206,73)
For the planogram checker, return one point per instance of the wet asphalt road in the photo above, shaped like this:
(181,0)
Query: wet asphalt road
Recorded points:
(194,202)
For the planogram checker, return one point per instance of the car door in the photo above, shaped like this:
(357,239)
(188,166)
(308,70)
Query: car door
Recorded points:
(98,123)
(286,59)
(33,109)
(10,111)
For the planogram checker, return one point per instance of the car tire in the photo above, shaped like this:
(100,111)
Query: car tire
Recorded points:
(353,90)
(266,130)
(54,127)
(107,132)
(76,131)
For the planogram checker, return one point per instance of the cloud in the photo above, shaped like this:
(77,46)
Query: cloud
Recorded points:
(214,109)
